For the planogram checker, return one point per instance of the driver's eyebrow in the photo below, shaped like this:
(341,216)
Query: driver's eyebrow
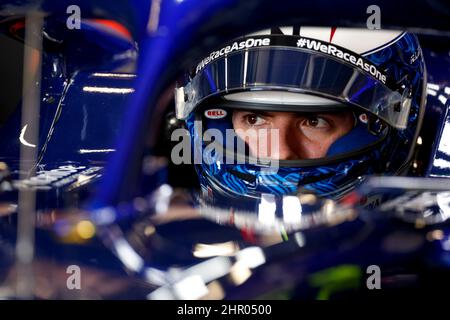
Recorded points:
(321,114)
(271,114)
(257,112)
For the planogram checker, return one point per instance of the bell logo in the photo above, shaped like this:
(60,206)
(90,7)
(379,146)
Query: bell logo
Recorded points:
(215,113)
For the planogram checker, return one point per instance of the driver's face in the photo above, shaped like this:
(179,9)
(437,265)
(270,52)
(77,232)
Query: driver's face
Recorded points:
(301,136)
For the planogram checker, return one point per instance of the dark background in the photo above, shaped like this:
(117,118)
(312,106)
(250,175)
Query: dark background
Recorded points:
(11,68)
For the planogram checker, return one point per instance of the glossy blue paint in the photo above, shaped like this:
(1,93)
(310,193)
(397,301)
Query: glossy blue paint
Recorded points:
(65,62)
(157,57)
(82,109)
(93,118)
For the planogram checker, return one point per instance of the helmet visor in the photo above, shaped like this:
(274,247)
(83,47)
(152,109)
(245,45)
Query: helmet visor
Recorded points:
(297,70)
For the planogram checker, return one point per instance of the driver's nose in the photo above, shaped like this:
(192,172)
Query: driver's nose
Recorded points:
(289,144)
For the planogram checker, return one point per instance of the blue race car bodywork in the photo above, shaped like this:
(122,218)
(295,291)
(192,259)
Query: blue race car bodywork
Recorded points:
(102,196)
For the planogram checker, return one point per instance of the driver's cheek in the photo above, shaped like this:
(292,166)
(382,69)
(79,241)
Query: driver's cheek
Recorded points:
(314,144)
(293,144)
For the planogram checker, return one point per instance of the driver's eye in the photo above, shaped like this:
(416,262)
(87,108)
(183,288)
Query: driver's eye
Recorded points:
(254,119)
(315,122)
